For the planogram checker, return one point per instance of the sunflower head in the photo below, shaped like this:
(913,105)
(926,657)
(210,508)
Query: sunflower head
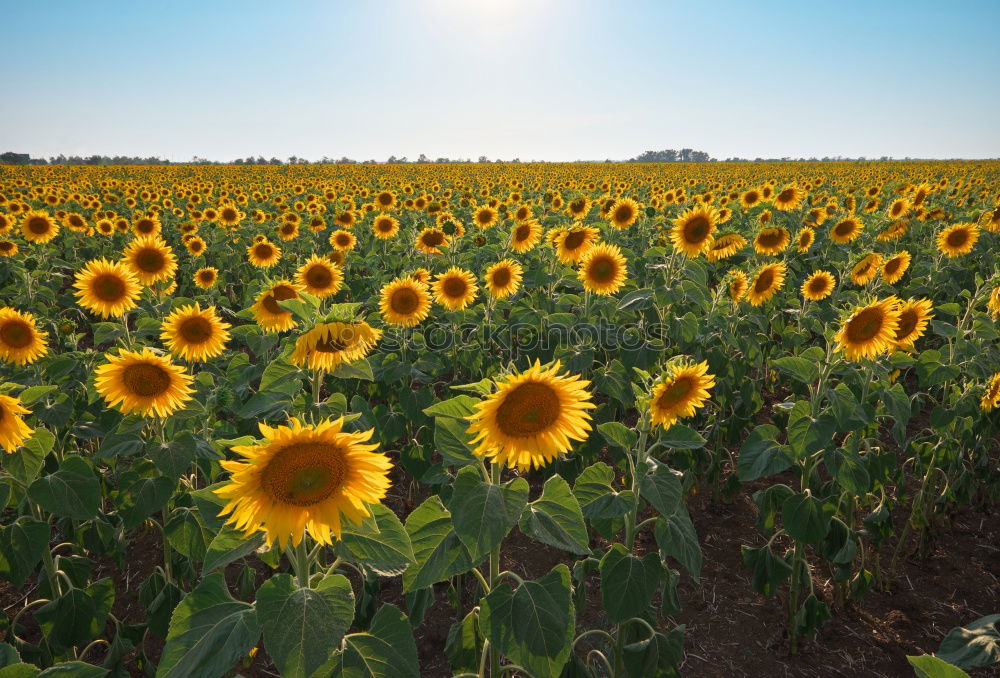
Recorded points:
(143,382)
(268,313)
(991,394)
(525,235)
(431,240)
(725,246)
(958,239)
(867,269)
(21,342)
(385,226)
(737,285)
(603,269)
(846,230)
(404,302)
(13,430)
(772,240)
(914,316)
(680,393)
(107,288)
(343,240)
(870,330)
(895,266)
(623,213)
(38,227)
(455,288)
(329,345)
(693,231)
(818,286)
(769,279)
(504,278)
(150,259)
(319,277)
(263,254)
(573,243)
(206,277)
(195,334)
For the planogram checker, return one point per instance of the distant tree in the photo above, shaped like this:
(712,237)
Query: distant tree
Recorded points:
(11,158)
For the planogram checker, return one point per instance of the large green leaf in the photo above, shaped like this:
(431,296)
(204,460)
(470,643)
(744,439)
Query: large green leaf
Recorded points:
(661,487)
(681,437)
(656,657)
(977,644)
(761,455)
(628,583)
(806,518)
(438,553)
(533,625)
(618,434)
(144,497)
(387,650)
(209,632)
(677,538)
(380,542)
(230,545)
(71,492)
(174,457)
(27,460)
(22,544)
(807,434)
(597,498)
(483,513)
(187,534)
(768,569)
(928,666)
(805,371)
(303,627)
(555,518)
(452,441)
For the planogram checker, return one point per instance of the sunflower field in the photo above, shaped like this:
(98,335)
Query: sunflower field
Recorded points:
(404,420)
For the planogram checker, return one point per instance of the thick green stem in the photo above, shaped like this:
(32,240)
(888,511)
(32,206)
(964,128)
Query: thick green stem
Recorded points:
(494,577)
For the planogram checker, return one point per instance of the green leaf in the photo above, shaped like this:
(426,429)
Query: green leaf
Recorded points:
(800,369)
(483,513)
(27,460)
(846,410)
(977,644)
(302,627)
(452,441)
(761,455)
(71,492)
(464,644)
(806,518)
(628,583)
(659,655)
(145,497)
(768,569)
(806,434)
(68,620)
(22,544)
(74,670)
(849,469)
(597,498)
(927,666)
(359,369)
(187,533)
(209,632)
(35,393)
(438,553)
(386,651)
(555,518)
(380,542)
(618,435)
(661,487)
(173,458)
(681,437)
(677,538)
(228,546)
(459,407)
(20,670)
(811,616)
(897,405)
(8,655)
(534,625)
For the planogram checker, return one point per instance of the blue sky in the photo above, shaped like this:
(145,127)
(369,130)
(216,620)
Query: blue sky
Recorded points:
(535,79)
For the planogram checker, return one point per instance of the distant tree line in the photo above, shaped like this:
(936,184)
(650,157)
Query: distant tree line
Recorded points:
(670,155)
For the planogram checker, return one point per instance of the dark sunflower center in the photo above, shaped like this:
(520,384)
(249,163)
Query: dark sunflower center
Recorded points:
(522,233)
(865,325)
(150,260)
(38,225)
(573,240)
(764,281)
(108,287)
(817,285)
(344,240)
(786,195)
(528,409)
(624,213)
(907,323)
(501,277)
(455,287)
(404,301)
(76,221)
(521,213)
(484,217)
(146,380)
(696,229)
(958,237)
(433,238)
(332,344)
(769,238)
(196,330)
(384,225)
(264,251)
(303,474)
(893,265)
(279,293)
(603,269)
(844,228)
(206,276)
(16,333)
(318,277)
(145,226)
(675,392)
(229,214)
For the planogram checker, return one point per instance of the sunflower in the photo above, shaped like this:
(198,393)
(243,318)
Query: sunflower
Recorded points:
(107,288)
(991,395)
(304,477)
(895,266)
(866,269)
(914,316)
(264,254)
(38,227)
(8,248)
(421,275)
(288,230)
(485,217)
(525,236)
(766,283)
(206,277)
(75,222)
(772,240)
(146,225)
(21,342)
(789,198)
(818,286)
(958,239)
(738,285)
(624,212)
(229,216)
(898,208)
(269,315)
(578,208)
(343,240)
(504,278)
(385,200)
(993,304)
(694,230)
(454,289)
(573,243)
(150,259)
(870,330)
(143,382)
(846,230)
(680,393)
(532,418)
(725,246)
(431,240)
(328,345)
(522,213)
(319,277)
(751,198)
(404,302)
(13,430)
(385,226)
(603,269)
(805,239)
(893,231)
(195,334)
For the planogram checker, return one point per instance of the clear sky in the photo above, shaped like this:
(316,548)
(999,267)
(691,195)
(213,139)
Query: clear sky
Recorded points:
(534,79)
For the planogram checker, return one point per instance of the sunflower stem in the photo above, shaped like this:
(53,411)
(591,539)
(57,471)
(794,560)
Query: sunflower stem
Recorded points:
(494,575)
(317,385)
(299,557)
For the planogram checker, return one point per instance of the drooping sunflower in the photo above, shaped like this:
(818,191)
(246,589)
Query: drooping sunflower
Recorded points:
(766,283)
(680,393)
(455,288)
(343,240)
(319,277)
(269,315)
(991,394)
(772,240)
(532,418)
(151,259)
(867,269)
(38,227)
(725,246)
(404,302)
(738,285)
(805,239)
(504,278)
(195,334)
(818,286)
(264,254)
(870,330)
(13,430)
(603,269)
(624,213)
(525,235)
(143,382)
(958,239)
(485,217)
(206,277)
(328,345)
(304,478)
(846,230)
(575,242)
(894,231)
(385,226)
(421,275)
(789,198)
(431,240)
(21,342)
(914,316)
(693,231)
(107,288)
(895,266)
